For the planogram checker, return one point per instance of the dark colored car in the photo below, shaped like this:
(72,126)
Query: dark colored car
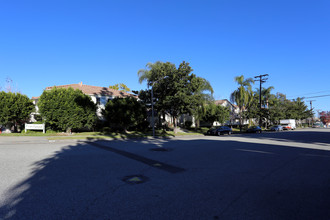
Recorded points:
(276,128)
(219,130)
(254,129)
(211,131)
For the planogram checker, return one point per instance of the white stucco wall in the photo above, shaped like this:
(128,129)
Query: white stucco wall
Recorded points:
(101,106)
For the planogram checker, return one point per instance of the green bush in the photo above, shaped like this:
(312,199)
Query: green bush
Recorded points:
(143,126)
(51,131)
(188,124)
(38,122)
(67,109)
(15,109)
(124,113)
(31,131)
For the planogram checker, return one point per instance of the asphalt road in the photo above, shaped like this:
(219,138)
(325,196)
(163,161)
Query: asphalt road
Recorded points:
(283,175)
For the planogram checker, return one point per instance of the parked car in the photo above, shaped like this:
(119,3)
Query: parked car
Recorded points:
(211,131)
(318,125)
(276,128)
(254,129)
(219,130)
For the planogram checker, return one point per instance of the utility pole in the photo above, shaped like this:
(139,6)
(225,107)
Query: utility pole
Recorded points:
(262,80)
(311,103)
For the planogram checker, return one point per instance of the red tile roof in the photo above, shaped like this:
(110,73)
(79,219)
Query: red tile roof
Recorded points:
(95,90)
(220,102)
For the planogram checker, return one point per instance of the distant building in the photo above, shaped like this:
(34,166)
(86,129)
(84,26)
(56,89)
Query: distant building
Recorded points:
(99,95)
(233,111)
(233,119)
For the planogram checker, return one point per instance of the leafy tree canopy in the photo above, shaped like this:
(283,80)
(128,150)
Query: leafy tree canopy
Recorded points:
(215,112)
(65,109)
(325,117)
(176,90)
(120,87)
(243,96)
(15,109)
(124,112)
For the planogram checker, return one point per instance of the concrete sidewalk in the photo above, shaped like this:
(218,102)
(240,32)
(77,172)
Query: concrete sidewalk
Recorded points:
(30,140)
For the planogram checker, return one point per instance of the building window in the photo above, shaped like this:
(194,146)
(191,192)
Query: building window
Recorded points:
(98,100)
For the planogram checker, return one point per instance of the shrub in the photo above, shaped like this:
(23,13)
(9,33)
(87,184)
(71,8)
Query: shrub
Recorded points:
(66,109)
(188,124)
(124,113)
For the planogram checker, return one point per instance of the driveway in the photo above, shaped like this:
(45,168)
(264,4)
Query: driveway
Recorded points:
(283,175)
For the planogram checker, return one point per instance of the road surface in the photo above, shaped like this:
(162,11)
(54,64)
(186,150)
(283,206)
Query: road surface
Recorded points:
(283,175)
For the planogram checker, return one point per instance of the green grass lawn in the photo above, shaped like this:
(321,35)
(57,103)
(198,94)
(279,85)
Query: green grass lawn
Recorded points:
(101,135)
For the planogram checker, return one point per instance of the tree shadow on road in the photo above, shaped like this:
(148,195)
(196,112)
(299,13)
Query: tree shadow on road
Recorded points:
(198,179)
(295,136)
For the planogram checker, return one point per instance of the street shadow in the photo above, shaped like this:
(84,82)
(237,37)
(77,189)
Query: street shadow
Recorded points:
(227,179)
(293,136)
(104,91)
(60,186)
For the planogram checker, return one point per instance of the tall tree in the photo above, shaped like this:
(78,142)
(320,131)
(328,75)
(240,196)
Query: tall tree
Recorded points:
(277,108)
(243,96)
(325,117)
(203,96)
(66,109)
(267,100)
(282,108)
(15,109)
(297,109)
(176,90)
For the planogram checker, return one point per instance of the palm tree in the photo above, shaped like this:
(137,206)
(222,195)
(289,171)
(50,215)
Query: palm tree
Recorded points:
(266,95)
(157,76)
(266,99)
(151,70)
(204,99)
(243,96)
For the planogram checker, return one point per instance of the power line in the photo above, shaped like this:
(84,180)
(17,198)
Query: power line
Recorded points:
(316,96)
(311,93)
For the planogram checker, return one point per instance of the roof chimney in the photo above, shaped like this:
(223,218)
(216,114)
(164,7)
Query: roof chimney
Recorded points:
(80,84)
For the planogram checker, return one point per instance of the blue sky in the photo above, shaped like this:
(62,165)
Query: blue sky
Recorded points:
(101,43)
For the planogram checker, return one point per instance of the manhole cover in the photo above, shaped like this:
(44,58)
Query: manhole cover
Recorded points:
(160,149)
(135,179)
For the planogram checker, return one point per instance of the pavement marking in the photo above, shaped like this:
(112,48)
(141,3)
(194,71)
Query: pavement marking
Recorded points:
(135,179)
(157,165)
(255,151)
(162,149)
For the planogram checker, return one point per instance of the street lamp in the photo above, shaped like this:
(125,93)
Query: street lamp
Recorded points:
(152,108)
(152,111)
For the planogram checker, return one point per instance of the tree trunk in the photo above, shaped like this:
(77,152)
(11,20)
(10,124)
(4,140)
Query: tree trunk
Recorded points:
(197,124)
(164,119)
(15,127)
(175,125)
(68,130)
